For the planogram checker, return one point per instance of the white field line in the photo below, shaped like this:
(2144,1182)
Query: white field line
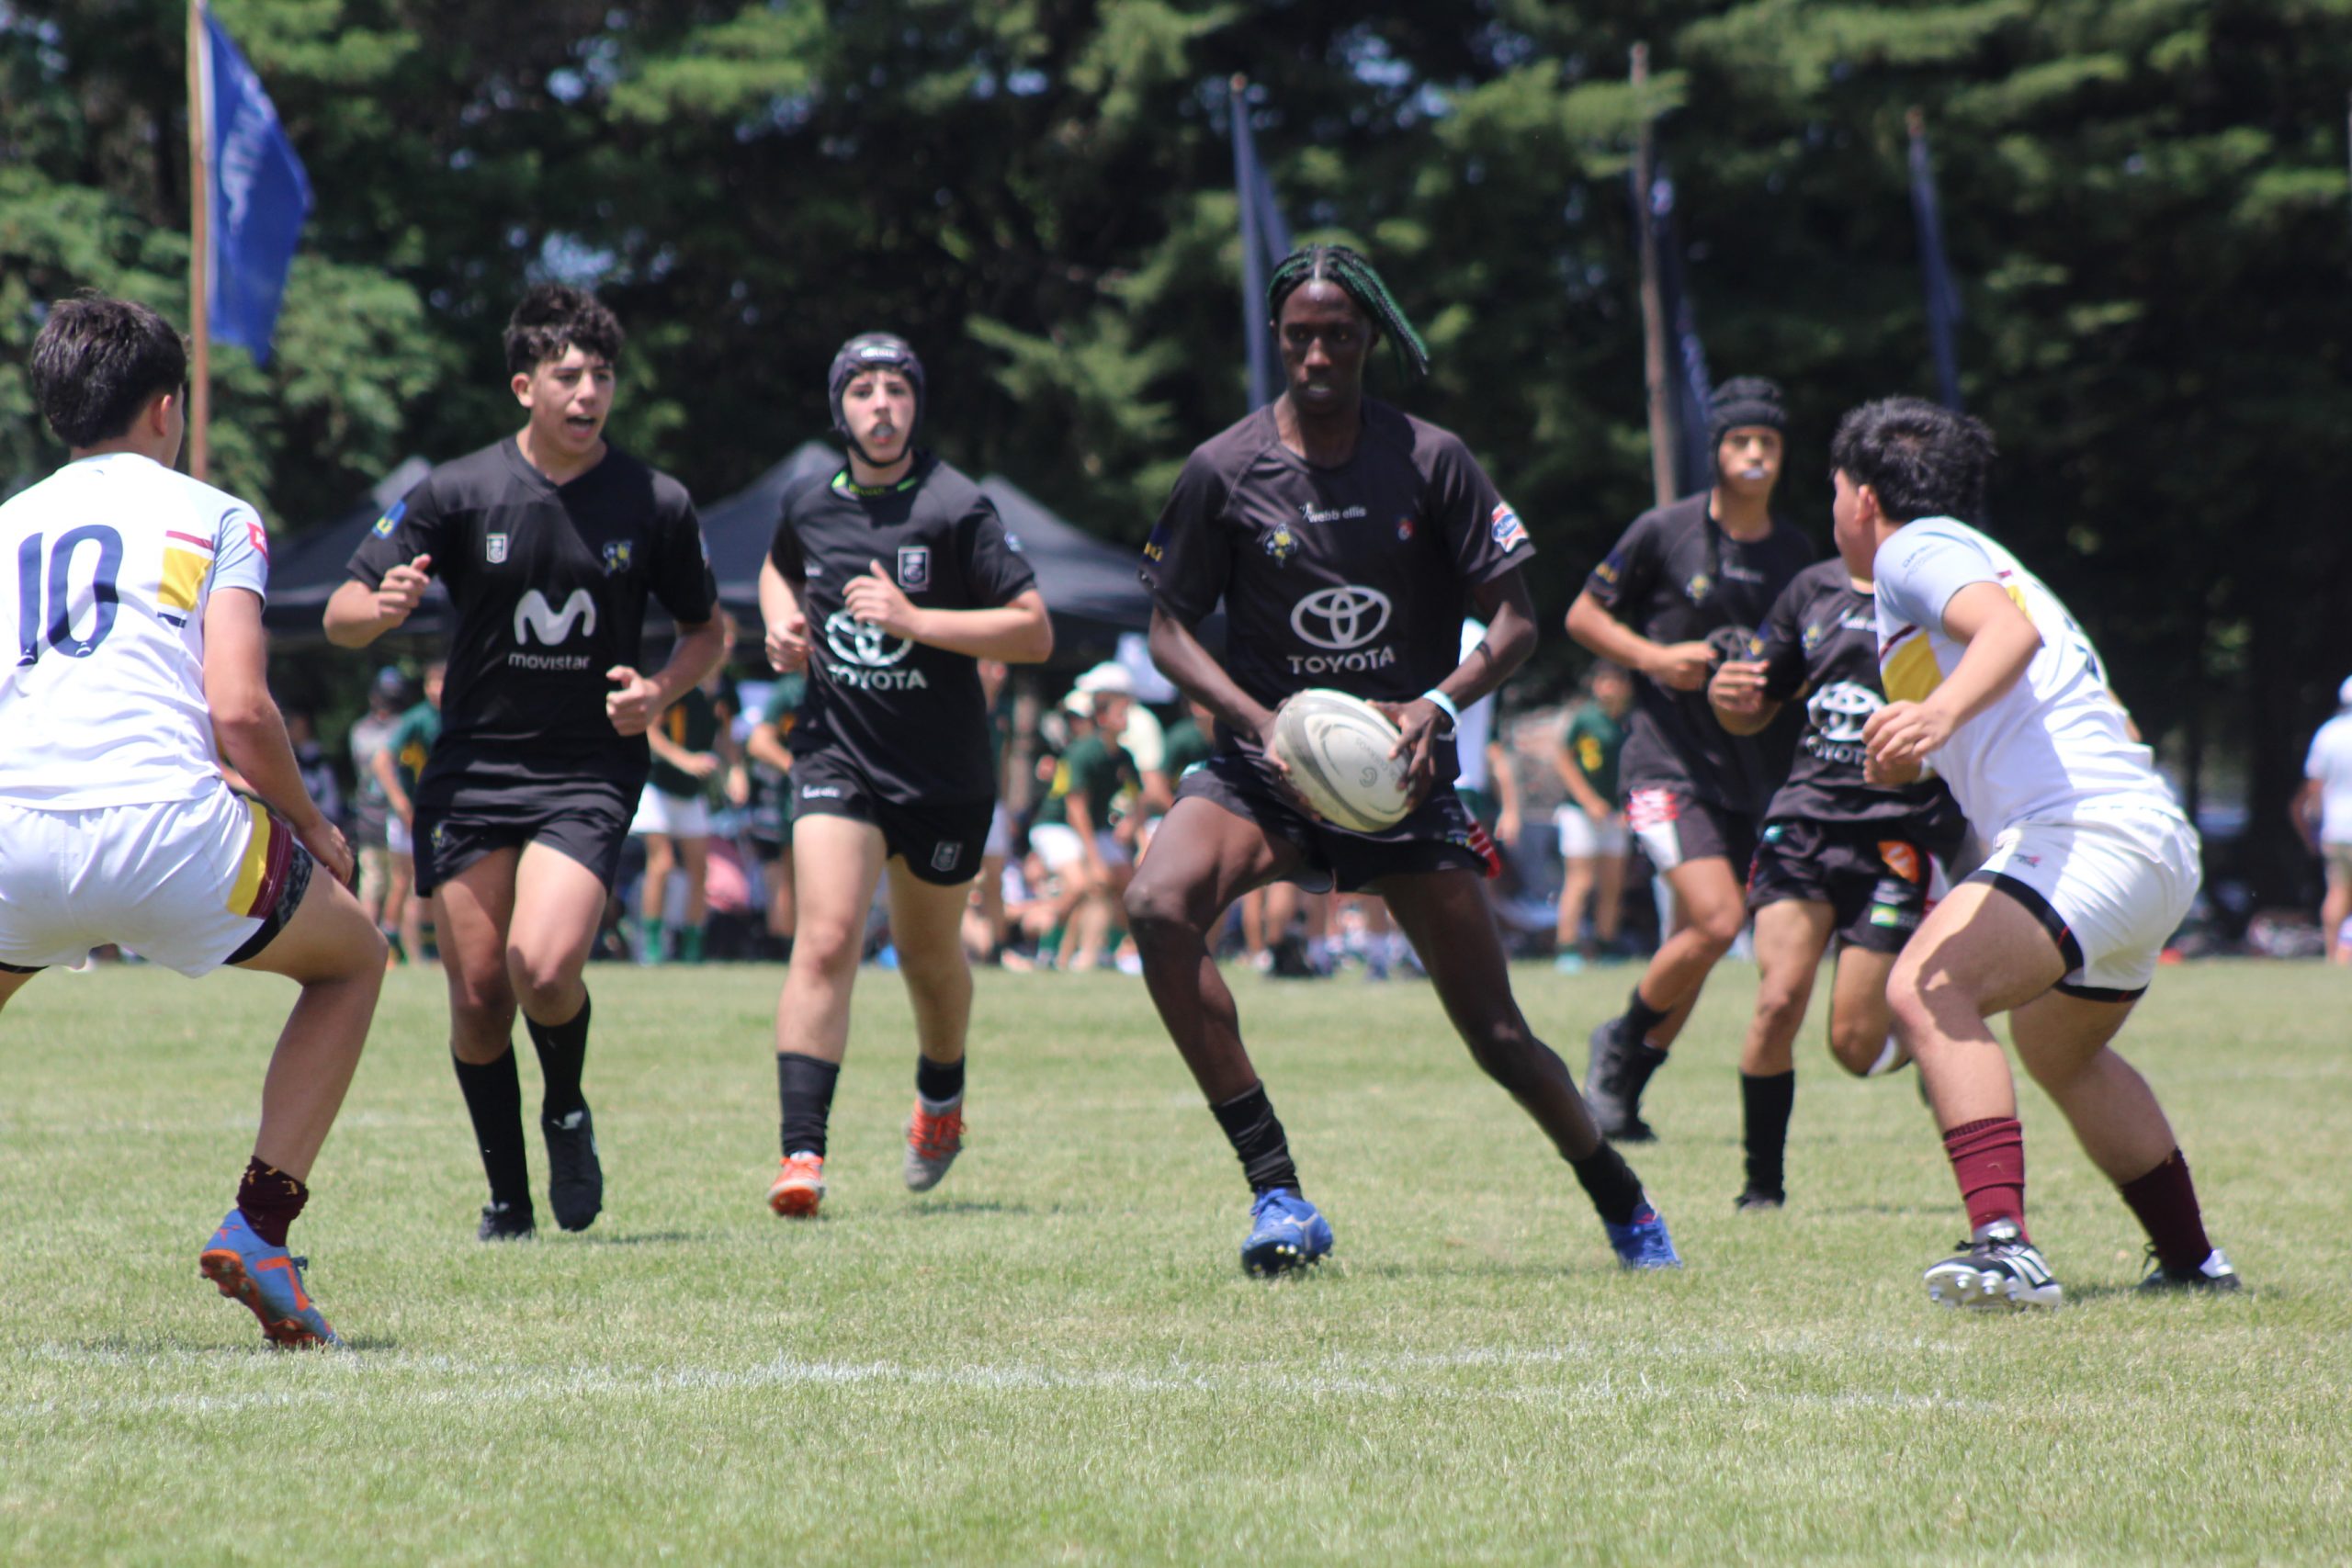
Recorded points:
(368,1379)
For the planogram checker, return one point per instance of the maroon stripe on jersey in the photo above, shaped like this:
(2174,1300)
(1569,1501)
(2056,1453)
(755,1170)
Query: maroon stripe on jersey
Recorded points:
(273,876)
(188,538)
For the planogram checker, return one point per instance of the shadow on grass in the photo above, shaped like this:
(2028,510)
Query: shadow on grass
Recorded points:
(944,1207)
(641,1238)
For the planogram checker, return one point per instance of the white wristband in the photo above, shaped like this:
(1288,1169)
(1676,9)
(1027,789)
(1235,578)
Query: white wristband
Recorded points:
(1443,705)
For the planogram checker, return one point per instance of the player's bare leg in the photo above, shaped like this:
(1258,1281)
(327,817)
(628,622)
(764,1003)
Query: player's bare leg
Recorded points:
(1790,936)
(1862,1024)
(837,862)
(472,910)
(1204,858)
(1201,860)
(1576,883)
(693,855)
(11,983)
(1446,916)
(927,927)
(1709,908)
(661,859)
(336,954)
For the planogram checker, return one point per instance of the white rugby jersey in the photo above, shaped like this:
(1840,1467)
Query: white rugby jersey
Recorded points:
(2055,746)
(106,568)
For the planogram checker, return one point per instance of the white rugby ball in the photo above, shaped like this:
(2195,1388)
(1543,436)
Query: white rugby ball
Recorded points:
(1337,748)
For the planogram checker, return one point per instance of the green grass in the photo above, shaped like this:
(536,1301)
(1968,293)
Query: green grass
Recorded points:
(1054,1357)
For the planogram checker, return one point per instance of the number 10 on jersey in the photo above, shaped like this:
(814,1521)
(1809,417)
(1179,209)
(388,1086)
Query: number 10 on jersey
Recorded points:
(39,568)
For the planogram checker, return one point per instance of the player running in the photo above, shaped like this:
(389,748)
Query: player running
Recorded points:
(1992,685)
(137,596)
(1343,537)
(1686,583)
(1839,859)
(550,542)
(887,582)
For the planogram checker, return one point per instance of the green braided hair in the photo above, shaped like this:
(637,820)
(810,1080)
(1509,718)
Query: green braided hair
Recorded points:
(1355,277)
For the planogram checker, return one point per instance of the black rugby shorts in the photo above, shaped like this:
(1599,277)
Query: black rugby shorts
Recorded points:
(1875,884)
(1675,826)
(583,818)
(1439,834)
(940,840)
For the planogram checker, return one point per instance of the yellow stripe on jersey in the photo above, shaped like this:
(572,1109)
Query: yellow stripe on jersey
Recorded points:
(184,572)
(254,870)
(1910,672)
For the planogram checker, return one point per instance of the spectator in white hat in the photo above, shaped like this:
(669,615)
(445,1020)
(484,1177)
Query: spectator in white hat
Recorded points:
(2323,813)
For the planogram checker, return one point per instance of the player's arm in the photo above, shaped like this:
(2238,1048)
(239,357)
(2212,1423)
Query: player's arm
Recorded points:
(1680,665)
(2303,812)
(668,750)
(1506,781)
(358,614)
(2000,640)
(1193,671)
(249,730)
(1741,690)
(1017,632)
(1501,602)
(787,627)
(637,700)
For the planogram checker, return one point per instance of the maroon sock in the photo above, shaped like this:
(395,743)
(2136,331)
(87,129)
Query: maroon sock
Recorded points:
(269,1199)
(2165,1202)
(1989,1157)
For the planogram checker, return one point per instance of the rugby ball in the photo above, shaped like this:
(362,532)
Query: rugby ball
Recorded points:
(1337,748)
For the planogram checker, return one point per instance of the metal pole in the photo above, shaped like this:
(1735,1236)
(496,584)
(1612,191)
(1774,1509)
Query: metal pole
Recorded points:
(199,255)
(1664,440)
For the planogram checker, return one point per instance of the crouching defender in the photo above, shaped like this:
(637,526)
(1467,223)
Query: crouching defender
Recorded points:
(2092,864)
(139,644)
(1343,537)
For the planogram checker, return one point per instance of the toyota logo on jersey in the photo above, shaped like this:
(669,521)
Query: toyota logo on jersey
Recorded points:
(1340,620)
(1837,714)
(867,654)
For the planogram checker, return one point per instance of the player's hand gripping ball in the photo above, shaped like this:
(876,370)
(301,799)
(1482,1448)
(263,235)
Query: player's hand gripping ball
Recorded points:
(1338,750)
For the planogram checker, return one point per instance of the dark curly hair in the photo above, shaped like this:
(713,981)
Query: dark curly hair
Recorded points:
(553,317)
(1923,459)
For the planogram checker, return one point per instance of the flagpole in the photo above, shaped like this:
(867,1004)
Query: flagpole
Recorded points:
(1664,440)
(199,255)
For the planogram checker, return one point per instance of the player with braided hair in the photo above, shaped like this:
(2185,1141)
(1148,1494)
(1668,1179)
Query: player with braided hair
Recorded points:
(1356,280)
(1343,537)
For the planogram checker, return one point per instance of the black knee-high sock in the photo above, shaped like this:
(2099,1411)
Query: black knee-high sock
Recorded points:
(1255,1134)
(1609,1182)
(939,1083)
(494,1094)
(563,1052)
(1766,1099)
(804,1091)
(1640,1018)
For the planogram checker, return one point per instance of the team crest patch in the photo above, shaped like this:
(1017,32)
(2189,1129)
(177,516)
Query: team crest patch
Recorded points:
(1508,531)
(494,548)
(1404,528)
(617,554)
(1699,587)
(1012,542)
(390,520)
(914,572)
(945,854)
(1814,632)
(1281,544)
(1901,858)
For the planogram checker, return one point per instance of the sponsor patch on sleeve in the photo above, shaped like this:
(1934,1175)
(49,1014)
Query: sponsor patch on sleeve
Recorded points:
(390,520)
(1504,524)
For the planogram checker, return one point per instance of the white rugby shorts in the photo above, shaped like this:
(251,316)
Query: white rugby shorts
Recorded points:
(1000,838)
(2111,888)
(396,837)
(1583,838)
(671,815)
(184,883)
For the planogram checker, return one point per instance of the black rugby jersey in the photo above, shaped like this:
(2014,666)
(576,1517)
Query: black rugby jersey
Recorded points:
(910,716)
(1820,641)
(550,584)
(1354,578)
(1675,577)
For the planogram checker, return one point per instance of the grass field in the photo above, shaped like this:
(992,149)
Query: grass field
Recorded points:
(1055,1358)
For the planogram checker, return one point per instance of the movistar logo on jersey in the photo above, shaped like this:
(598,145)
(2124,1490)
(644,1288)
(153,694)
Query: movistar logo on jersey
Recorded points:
(866,657)
(535,616)
(1342,621)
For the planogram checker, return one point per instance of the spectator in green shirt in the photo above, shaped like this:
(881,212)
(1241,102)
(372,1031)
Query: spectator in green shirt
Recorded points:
(693,742)
(1592,830)
(396,768)
(1086,828)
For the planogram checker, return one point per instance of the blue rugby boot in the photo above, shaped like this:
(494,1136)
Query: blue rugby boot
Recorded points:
(267,1282)
(1642,1242)
(1286,1232)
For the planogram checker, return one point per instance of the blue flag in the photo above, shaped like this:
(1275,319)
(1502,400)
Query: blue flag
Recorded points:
(1265,241)
(1943,296)
(260,196)
(1686,367)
